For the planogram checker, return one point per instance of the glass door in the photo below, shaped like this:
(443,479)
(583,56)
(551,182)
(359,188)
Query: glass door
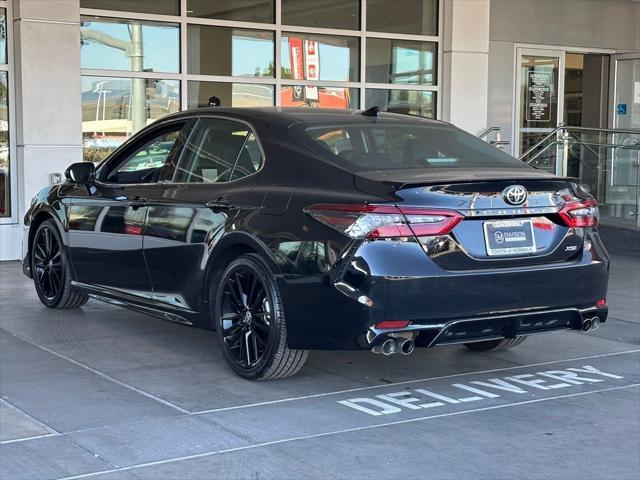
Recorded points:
(539,103)
(622,191)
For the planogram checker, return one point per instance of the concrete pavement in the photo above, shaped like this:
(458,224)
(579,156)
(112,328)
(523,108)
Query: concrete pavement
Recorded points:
(106,393)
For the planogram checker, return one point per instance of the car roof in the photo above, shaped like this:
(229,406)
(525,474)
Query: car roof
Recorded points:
(286,116)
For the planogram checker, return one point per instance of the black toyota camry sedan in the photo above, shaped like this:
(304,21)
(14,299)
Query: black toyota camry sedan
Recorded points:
(287,230)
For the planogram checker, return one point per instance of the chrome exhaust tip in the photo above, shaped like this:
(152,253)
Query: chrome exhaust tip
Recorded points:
(586,325)
(595,323)
(388,347)
(405,346)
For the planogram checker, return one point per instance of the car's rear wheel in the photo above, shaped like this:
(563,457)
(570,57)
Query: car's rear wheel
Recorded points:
(51,271)
(249,319)
(502,344)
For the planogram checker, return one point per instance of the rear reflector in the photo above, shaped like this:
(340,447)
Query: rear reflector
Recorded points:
(378,221)
(601,303)
(580,214)
(392,324)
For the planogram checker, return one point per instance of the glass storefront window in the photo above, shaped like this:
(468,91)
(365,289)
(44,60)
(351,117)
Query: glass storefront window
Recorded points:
(411,102)
(343,14)
(319,57)
(230,94)
(401,61)
(230,51)
(3,35)
(159,7)
(260,11)
(5,184)
(416,17)
(131,45)
(323,97)
(114,108)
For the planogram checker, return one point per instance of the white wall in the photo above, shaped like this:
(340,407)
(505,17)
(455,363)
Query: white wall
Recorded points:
(465,63)
(48,122)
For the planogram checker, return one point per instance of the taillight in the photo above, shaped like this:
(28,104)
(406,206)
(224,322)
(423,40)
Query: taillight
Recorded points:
(580,214)
(378,221)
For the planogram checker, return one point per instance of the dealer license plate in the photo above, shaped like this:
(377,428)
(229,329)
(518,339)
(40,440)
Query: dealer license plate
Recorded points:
(509,237)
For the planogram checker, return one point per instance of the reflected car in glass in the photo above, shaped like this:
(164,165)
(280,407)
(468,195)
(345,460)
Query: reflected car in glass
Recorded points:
(289,230)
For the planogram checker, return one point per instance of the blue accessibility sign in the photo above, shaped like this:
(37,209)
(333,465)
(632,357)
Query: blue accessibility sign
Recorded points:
(621,109)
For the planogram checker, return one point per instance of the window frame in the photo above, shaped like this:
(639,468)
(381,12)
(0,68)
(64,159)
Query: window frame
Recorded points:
(278,27)
(194,129)
(16,176)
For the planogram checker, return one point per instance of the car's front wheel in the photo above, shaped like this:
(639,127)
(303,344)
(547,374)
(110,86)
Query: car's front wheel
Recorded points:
(51,271)
(250,323)
(502,344)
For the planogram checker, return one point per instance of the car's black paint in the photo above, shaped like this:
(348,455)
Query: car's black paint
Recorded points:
(159,246)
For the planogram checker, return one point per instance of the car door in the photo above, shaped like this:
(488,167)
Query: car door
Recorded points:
(210,185)
(106,224)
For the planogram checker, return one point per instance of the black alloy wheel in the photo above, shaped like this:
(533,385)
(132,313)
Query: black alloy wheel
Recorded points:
(50,270)
(250,322)
(246,316)
(47,265)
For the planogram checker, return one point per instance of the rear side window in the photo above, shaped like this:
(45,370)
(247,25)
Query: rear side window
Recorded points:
(249,160)
(214,148)
(388,147)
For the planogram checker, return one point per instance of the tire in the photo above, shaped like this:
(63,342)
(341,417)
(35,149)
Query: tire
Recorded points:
(253,344)
(503,344)
(51,270)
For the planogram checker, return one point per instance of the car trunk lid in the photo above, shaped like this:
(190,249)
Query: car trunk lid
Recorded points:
(495,232)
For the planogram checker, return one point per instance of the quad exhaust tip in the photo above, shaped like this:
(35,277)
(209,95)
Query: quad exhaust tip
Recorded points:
(590,324)
(405,346)
(388,347)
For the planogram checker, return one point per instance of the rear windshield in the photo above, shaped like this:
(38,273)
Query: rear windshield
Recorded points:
(389,147)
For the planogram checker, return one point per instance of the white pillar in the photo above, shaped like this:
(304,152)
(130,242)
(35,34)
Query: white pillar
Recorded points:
(48,103)
(48,110)
(465,63)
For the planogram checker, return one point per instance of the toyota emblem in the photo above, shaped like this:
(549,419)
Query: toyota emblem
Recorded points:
(515,195)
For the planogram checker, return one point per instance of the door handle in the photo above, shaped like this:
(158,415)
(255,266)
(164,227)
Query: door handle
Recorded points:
(219,204)
(137,202)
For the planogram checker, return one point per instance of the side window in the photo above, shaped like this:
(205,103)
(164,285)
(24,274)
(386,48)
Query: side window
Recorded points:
(250,159)
(212,151)
(146,163)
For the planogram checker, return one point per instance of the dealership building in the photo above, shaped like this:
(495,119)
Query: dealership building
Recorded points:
(553,82)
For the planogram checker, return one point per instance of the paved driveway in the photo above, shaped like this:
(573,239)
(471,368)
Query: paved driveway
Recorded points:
(108,393)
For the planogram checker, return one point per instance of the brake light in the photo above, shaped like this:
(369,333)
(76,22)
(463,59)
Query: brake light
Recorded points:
(378,221)
(580,214)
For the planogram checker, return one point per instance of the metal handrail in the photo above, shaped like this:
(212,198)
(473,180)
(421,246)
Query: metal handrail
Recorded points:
(488,131)
(624,146)
(554,132)
(559,128)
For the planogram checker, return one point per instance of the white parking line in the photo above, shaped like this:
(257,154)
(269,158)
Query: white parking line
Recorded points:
(338,432)
(100,374)
(35,437)
(406,382)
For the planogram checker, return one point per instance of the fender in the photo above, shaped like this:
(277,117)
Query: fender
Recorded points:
(46,204)
(243,241)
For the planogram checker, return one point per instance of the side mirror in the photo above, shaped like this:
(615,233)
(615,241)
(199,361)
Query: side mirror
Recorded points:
(81,173)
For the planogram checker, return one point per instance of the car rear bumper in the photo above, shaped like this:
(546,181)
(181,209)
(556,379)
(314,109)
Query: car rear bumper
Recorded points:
(493,327)
(395,281)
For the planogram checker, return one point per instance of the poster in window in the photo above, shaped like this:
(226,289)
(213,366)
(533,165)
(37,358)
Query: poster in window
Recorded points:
(539,96)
